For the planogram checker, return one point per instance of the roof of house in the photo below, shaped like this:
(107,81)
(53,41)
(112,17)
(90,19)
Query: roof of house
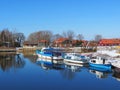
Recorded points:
(109,41)
(60,40)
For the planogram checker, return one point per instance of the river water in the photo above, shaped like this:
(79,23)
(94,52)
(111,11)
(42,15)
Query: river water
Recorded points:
(25,72)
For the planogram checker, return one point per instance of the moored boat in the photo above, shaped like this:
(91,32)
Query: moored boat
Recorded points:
(75,58)
(50,54)
(100,62)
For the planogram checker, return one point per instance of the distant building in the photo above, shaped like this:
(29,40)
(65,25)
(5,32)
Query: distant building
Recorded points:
(43,43)
(91,44)
(65,42)
(109,42)
(79,43)
(62,42)
(30,44)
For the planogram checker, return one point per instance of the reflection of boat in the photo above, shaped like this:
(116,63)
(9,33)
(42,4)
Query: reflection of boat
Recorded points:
(75,64)
(100,62)
(116,73)
(50,54)
(100,69)
(100,73)
(75,58)
(49,65)
(51,61)
(73,67)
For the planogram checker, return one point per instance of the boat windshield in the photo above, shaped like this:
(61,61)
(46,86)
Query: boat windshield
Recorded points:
(94,58)
(56,54)
(51,50)
(82,57)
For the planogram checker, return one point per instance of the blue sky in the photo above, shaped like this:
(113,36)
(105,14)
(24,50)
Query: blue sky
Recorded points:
(87,17)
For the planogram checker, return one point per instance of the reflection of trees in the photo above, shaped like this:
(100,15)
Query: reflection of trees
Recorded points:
(19,62)
(30,55)
(70,71)
(8,61)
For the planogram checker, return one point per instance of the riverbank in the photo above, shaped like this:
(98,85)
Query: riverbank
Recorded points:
(4,49)
(32,49)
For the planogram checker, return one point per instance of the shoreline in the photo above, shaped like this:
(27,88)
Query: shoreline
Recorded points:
(25,49)
(8,50)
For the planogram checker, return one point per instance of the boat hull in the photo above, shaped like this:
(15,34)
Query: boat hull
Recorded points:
(100,69)
(102,66)
(48,56)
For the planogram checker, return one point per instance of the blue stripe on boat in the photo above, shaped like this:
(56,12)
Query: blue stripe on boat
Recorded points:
(108,66)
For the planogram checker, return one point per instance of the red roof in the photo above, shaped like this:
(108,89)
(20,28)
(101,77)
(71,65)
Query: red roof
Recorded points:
(109,41)
(60,40)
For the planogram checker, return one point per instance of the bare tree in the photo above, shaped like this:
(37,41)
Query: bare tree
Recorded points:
(64,34)
(56,36)
(19,38)
(40,35)
(69,34)
(6,37)
(80,37)
(98,37)
(33,37)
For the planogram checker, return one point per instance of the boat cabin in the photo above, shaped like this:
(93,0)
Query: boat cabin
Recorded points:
(51,51)
(98,60)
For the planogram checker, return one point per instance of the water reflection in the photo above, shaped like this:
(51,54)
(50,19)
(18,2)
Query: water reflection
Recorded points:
(31,56)
(68,71)
(100,73)
(24,71)
(19,61)
(48,65)
(116,73)
(11,60)
(71,70)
